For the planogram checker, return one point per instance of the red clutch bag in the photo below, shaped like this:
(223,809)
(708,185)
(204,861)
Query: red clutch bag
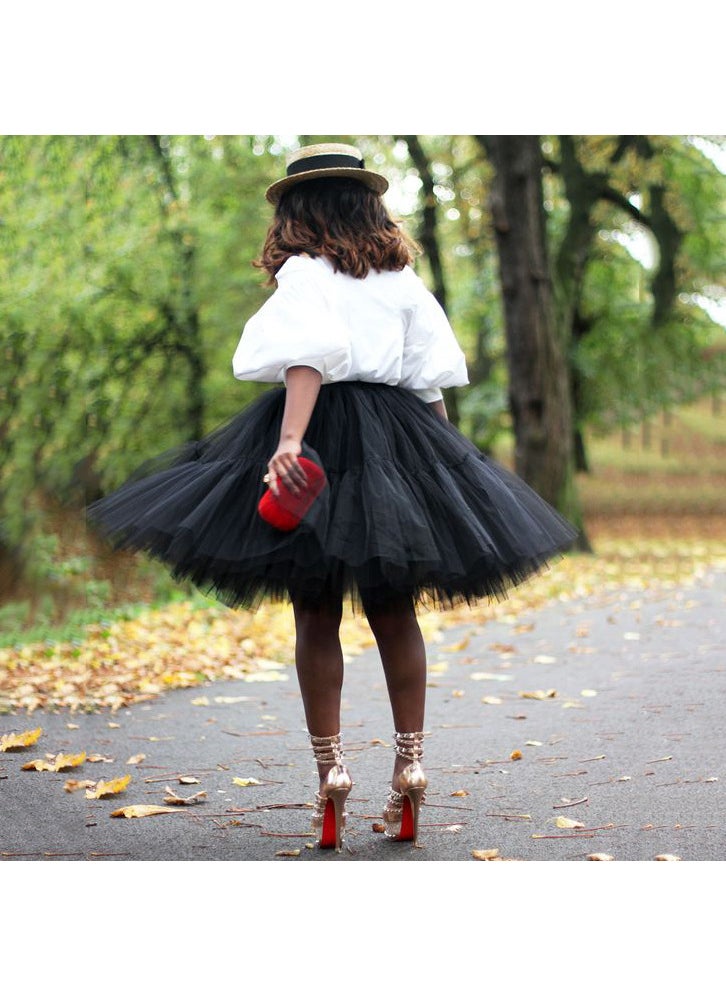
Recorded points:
(285,511)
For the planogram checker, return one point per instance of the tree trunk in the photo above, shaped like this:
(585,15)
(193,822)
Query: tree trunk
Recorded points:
(539,384)
(429,239)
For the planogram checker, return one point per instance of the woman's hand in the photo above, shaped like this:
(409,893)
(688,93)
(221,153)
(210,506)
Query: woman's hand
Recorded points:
(302,388)
(284,464)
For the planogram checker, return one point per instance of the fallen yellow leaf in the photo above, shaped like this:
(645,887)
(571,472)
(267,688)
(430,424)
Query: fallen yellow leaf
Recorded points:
(114,787)
(60,762)
(562,822)
(485,854)
(139,811)
(600,856)
(287,853)
(136,759)
(245,782)
(459,794)
(666,856)
(588,693)
(491,700)
(65,760)
(38,765)
(98,758)
(538,695)
(19,740)
(73,785)
(515,755)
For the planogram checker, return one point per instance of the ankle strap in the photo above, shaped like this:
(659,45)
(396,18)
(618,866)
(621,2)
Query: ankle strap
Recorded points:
(327,749)
(409,745)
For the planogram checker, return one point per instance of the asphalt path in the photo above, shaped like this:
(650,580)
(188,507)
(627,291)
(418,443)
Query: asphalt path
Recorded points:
(607,712)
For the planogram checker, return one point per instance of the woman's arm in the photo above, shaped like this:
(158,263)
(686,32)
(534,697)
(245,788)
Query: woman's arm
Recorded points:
(439,408)
(303,387)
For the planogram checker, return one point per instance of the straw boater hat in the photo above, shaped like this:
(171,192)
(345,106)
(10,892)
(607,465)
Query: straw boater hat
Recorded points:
(330,159)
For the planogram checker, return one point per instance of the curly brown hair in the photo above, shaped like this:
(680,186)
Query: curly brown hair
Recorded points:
(340,219)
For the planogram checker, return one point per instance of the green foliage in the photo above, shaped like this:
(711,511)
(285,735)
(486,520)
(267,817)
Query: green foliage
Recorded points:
(126,279)
(635,351)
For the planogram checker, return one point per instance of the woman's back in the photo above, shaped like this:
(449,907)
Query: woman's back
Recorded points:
(385,327)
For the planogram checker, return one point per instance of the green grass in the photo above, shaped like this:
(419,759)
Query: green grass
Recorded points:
(700,422)
(671,466)
(18,627)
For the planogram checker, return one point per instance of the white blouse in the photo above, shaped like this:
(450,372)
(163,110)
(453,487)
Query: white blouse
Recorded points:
(384,328)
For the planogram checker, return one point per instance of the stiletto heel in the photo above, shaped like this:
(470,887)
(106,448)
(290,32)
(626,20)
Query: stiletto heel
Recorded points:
(329,815)
(401,812)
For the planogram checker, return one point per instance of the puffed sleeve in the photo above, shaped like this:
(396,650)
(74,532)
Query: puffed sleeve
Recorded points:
(432,358)
(296,326)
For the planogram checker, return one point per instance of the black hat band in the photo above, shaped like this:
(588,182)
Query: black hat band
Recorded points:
(324,162)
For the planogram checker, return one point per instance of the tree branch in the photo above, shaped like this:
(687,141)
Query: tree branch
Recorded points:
(615,197)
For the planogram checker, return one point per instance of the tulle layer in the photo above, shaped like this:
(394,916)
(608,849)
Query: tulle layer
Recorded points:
(412,508)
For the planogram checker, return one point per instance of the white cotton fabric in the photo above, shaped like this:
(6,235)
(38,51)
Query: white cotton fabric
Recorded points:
(384,328)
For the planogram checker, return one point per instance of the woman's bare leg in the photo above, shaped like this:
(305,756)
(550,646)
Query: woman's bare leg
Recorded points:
(319,663)
(403,654)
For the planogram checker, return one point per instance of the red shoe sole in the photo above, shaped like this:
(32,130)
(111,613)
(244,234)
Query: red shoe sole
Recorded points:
(406,821)
(327,836)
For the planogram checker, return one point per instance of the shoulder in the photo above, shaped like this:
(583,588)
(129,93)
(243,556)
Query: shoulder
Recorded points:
(402,286)
(303,266)
(408,284)
(415,282)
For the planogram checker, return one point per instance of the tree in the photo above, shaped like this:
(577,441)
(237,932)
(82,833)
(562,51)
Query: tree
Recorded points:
(126,273)
(429,240)
(637,327)
(539,392)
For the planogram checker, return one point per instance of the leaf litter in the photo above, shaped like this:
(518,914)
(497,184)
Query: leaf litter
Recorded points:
(183,645)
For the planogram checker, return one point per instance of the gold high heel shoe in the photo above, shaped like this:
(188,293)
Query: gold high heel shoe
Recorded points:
(329,814)
(401,811)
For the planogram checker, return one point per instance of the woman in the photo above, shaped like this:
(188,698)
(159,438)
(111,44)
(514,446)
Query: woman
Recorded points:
(411,510)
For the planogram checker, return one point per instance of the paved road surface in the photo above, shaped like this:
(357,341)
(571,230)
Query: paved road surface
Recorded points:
(630,745)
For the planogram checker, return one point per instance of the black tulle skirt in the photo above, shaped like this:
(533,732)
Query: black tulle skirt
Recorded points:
(413,509)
